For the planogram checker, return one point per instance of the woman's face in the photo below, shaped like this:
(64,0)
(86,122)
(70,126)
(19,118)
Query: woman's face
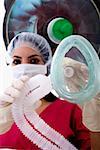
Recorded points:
(26,55)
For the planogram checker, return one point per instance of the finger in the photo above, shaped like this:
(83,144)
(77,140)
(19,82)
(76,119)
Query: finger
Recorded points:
(24,78)
(12,92)
(6,98)
(19,83)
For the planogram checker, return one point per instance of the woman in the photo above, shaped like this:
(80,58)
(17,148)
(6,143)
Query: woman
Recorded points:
(62,116)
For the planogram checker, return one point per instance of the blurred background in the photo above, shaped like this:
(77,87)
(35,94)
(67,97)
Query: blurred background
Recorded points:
(35,16)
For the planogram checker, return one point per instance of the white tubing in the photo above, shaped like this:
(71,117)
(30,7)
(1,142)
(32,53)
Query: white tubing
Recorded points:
(18,108)
(46,130)
(42,134)
(26,128)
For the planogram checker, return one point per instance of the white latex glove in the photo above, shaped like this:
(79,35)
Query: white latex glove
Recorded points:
(74,80)
(6,99)
(91,114)
(13,91)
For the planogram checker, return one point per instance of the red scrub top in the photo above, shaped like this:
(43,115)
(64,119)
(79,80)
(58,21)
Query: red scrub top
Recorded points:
(64,117)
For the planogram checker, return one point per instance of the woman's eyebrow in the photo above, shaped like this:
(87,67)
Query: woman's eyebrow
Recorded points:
(34,55)
(17,57)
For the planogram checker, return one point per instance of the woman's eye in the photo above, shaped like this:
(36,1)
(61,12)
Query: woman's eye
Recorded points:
(16,62)
(34,61)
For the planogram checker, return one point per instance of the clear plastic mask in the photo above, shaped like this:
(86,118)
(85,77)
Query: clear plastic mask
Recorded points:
(75,73)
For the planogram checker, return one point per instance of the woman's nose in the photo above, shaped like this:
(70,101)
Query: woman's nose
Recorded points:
(24,61)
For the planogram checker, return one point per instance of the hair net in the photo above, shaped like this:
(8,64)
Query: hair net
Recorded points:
(31,40)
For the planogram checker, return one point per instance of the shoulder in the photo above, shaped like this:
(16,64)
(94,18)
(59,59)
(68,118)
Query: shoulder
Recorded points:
(66,104)
(67,108)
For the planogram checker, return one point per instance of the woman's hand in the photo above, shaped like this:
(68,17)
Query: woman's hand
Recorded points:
(13,91)
(91,114)
(75,81)
(6,99)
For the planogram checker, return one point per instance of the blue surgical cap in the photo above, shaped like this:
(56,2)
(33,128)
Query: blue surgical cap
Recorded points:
(32,40)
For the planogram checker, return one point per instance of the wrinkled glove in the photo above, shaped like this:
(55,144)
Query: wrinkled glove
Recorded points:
(91,114)
(6,99)
(76,79)
(13,91)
